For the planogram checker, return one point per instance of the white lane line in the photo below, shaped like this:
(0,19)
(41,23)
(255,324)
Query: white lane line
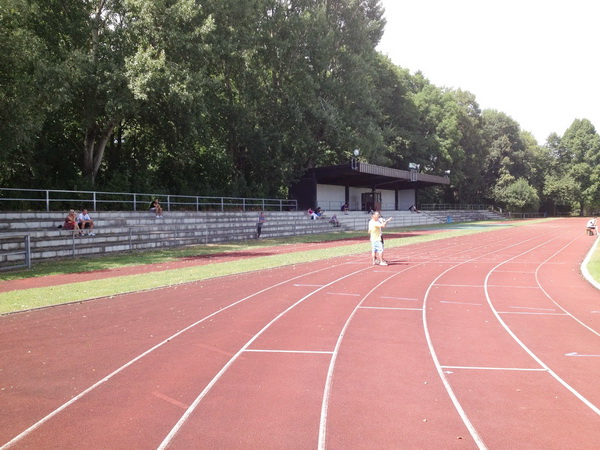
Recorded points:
(146,353)
(518,369)
(342,293)
(566,385)
(224,369)
(460,303)
(529,313)
(306,352)
(400,298)
(308,285)
(502,286)
(515,271)
(460,285)
(534,309)
(577,354)
(390,308)
(329,379)
(459,409)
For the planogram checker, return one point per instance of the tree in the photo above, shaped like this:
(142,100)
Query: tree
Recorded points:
(517,196)
(581,161)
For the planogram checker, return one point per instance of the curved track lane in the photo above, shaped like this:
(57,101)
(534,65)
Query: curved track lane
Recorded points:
(490,340)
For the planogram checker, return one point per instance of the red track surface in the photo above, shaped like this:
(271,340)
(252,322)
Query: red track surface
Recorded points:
(490,340)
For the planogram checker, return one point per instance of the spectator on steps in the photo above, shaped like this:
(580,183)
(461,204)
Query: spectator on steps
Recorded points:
(71,222)
(85,221)
(259,224)
(156,208)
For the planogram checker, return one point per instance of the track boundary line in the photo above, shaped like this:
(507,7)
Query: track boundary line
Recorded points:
(566,385)
(224,369)
(457,405)
(49,416)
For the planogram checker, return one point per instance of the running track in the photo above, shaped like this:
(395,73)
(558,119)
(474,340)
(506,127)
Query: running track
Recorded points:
(483,341)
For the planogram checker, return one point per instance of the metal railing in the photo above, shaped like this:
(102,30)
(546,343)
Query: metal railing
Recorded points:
(453,207)
(59,200)
(336,206)
(23,247)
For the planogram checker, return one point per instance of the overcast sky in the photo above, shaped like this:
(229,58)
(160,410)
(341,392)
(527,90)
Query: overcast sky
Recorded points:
(538,61)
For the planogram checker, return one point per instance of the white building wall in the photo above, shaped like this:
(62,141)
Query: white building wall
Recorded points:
(329,197)
(406,199)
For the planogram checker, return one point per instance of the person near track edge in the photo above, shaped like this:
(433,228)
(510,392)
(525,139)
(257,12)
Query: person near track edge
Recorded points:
(375,231)
(591,227)
(259,224)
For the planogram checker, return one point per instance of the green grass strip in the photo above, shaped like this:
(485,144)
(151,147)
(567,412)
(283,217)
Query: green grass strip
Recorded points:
(40,297)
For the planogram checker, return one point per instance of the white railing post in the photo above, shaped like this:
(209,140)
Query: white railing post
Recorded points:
(28,251)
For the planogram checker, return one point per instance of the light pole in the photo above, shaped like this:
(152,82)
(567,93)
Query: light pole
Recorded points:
(355,159)
(414,169)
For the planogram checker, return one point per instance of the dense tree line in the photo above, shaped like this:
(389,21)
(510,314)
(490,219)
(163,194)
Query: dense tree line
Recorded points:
(235,97)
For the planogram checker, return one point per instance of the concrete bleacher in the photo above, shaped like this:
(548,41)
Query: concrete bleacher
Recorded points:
(118,231)
(122,231)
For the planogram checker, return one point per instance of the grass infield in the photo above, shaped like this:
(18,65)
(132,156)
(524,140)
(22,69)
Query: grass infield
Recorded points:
(24,299)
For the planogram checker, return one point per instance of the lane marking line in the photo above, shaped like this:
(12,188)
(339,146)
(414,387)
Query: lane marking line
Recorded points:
(557,377)
(342,293)
(525,313)
(515,271)
(536,309)
(306,352)
(390,308)
(518,369)
(170,400)
(403,298)
(460,303)
(142,355)
(577,354)
(167,440)
(457,405)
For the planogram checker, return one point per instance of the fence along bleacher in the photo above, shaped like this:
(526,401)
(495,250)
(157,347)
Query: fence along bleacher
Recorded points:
(30,236)
(19,257)
(129,231)
(52,200)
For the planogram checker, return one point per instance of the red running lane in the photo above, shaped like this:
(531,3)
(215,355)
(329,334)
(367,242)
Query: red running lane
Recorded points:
(268,354)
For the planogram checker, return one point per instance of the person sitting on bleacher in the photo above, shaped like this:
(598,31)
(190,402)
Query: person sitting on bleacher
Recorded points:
(156,208)
(71,222)
(334,221)
(85,221)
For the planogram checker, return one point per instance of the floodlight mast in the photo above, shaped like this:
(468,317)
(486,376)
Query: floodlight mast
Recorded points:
(414,169)
(354,163)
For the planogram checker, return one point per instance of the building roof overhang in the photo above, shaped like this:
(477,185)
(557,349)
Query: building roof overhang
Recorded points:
(370,176)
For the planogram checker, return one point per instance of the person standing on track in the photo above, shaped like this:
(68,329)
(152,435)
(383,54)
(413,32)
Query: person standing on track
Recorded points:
(375,231)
